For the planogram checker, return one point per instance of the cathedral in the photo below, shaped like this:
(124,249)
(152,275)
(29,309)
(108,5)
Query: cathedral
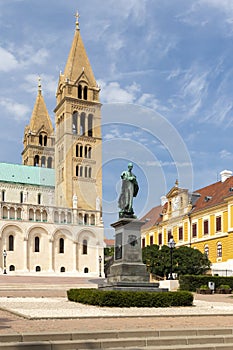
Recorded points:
(51,205)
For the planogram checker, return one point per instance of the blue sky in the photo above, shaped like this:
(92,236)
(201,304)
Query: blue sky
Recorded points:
(165,70)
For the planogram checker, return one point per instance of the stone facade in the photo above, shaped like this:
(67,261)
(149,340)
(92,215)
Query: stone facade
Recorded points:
(50,207)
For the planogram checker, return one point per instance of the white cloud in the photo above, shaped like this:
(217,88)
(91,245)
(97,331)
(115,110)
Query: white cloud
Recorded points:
(113,93)
(7,60)
(17,111)
(48,82)
(224,154)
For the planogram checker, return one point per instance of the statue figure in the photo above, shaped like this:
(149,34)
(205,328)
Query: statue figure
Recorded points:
(129,190)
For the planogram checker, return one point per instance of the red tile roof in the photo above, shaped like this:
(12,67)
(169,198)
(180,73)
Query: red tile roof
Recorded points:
(209,196)
(213,194)
(152,217)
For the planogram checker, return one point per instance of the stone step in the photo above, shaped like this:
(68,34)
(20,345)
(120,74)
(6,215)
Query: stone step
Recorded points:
(200,339)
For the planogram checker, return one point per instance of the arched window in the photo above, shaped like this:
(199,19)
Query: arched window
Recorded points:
(62,269)
(44,216)
(61,245)
(49,162)
(92,219)
(90,125)
(77,170)
(89,152)
(79,150)
(40,139)
(85,247)
(21,197)
(82,124)
(86,171)
(11,243)
(37,244)
(12,213)
(89,172)
(81,171)
(86,219)
(31,215)
(38,269)
(38,215)
(86,270)
(43,161)
(206,250)
(39,198)
(19,213)
(80,91)
(36,160)
(56,217)
(3,195)
(85,93)
(45,140)
(5,213)
(219,250)
(12,268)
(75,123)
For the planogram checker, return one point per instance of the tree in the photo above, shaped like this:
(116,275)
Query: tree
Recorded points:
(186,260)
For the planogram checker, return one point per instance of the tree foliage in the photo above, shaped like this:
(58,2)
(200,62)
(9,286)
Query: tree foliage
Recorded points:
(185,260)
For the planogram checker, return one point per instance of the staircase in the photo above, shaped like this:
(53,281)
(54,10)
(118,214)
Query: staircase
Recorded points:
(175,339)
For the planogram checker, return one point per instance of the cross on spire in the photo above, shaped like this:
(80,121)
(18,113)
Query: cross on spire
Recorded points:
(77,21)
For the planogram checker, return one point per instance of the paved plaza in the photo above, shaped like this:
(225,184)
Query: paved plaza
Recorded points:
(39,304)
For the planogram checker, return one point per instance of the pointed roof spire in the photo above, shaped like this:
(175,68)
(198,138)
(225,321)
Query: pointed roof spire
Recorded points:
(78,60)
(40,116)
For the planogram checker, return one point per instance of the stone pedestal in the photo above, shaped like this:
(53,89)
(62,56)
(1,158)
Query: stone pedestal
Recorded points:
(128,271)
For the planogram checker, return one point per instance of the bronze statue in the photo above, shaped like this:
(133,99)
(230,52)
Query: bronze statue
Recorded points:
(129,189)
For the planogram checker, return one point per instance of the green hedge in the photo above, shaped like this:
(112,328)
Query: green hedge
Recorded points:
(192,282)
(130,299)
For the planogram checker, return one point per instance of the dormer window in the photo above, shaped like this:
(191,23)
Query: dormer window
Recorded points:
(208,198)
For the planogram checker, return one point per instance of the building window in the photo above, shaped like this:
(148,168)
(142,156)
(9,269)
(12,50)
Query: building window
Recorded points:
(36,160)
(43,161)
(218,223)
(85,93)
(49,162)
(160,239)
(11,243)
(151,240)
(21,197)
(82,124)
(79,150)
(61,245)
(86,270)
(12,268)
(90,125)
(89,172)
(206,251)
(219,250)
(85,247)
(181,234)
(143,242)
(86,171)
(75,123)
(194,230)
(3,195)
(80,91)
(169,234)
(62,269)
(206,227)
(39,198)
(37,244)
(38,269)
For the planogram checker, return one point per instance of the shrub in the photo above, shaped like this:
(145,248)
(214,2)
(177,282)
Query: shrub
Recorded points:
(193,282)
(114,298)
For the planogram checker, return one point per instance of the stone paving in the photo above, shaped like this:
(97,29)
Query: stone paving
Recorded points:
(211,311)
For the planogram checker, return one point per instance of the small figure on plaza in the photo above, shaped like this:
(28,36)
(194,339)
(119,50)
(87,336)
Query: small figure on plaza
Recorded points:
(129,189)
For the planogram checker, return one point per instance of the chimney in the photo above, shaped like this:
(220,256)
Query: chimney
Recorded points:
(225,174)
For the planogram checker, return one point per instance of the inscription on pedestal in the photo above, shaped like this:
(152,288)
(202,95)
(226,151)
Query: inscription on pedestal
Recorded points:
(118,246)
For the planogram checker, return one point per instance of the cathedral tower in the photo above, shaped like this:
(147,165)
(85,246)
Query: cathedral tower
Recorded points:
(39,136)
(78,146)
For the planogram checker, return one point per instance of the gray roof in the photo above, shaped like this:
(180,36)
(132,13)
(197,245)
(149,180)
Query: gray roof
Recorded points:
(23,174)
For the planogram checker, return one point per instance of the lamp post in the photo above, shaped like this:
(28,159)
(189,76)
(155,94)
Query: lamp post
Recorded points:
(100,261)
(4,261)
(171,245)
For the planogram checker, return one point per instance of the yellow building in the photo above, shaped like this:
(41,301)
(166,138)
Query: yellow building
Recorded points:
(202,219)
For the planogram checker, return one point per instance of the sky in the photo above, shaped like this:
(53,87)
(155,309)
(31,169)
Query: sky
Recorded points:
(165,71)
